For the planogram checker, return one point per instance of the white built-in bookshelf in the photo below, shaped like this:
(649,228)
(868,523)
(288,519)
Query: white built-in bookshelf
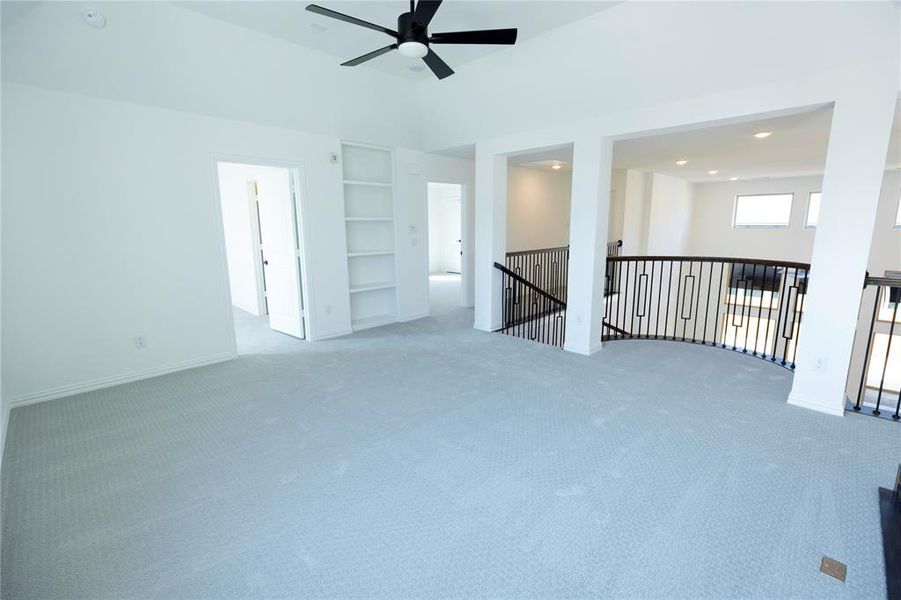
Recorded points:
(369,218)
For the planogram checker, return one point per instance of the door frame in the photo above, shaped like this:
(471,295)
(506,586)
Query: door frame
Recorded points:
(465,275)
(301,231)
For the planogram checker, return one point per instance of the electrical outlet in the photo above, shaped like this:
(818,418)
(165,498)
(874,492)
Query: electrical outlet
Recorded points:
(140,342)
(328,309)
(820,366)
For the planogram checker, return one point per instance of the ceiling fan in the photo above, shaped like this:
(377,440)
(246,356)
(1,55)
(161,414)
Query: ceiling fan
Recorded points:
(413,39)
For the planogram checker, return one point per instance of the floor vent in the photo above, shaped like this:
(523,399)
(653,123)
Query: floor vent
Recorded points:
(834,568)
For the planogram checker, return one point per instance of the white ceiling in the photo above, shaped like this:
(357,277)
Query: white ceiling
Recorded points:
(796,147)
(289,21)
(10,12)
(544,159)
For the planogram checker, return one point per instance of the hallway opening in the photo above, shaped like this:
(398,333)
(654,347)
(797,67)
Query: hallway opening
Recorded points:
(262,247)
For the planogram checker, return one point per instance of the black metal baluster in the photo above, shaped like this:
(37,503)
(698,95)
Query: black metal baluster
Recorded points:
(866,356)
(676,312)
(731,299)
(624,294)
(800,302)
(794,310)
(634,300)
(750,294)
(888,352)
(694,326)
(719,309)
(686,296)
(707,302)
(760,310)
(650,298)
(782,307)
(669,291)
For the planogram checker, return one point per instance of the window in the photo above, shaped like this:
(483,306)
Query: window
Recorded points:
(764,210)
(898,214)
(813,209)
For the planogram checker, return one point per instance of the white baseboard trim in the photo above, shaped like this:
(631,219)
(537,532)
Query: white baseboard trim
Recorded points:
(406,318)
(830,408)
(105,382)
(584,351)
(333,334)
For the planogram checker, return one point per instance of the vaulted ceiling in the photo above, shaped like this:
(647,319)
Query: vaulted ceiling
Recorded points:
(290,21)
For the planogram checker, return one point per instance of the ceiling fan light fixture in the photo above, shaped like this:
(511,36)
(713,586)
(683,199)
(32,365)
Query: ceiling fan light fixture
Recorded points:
(413,49)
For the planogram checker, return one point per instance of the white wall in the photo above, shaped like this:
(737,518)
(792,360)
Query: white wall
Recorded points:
(125,238)
(636,212)
(538,208)
(444,223)
(618,184)
(670,219)
(712,233)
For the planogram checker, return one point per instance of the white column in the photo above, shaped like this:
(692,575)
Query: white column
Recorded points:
(491,236)
(589,216)
(855,162)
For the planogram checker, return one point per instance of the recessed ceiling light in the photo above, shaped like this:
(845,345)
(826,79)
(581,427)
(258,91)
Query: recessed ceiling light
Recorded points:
(714,172)
(733,179)
(556,167)
(763,134)
(682,162)
(94,18)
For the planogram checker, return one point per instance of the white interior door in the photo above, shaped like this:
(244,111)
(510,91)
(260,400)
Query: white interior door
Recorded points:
(454,242)
(278,237)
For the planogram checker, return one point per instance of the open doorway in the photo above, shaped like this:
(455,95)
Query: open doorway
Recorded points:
(262,246)
(445,208)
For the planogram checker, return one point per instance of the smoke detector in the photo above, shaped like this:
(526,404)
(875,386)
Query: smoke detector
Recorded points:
(94,18)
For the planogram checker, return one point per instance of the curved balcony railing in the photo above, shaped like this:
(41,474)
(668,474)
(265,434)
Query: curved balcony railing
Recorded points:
(741,304)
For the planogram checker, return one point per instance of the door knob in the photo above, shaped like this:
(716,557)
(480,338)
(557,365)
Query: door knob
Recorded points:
(266,262)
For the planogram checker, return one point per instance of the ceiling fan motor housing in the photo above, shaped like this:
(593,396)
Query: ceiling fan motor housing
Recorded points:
(412,37)
(410,31)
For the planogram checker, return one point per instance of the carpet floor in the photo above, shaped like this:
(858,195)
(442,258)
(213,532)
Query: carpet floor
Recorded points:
(430,460)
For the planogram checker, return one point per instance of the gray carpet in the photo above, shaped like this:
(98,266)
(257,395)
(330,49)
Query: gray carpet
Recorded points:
(429,460)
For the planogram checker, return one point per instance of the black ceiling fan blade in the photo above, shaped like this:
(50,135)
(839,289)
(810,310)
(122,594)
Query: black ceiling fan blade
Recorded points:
(485,36)
(438,66)
(314,8)
(425,10)
(361,59)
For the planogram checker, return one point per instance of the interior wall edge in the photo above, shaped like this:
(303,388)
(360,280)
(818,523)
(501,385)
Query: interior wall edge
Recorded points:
(67,391)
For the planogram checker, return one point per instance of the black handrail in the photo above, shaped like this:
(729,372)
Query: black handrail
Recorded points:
(730,259)
(753,306)
(528,284)
(536,251)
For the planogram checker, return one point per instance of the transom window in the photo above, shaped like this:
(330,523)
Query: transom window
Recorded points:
(898,213)
(813,209)
(763,210)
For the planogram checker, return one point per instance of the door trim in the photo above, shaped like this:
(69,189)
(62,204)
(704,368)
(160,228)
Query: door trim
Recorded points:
(301,228)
